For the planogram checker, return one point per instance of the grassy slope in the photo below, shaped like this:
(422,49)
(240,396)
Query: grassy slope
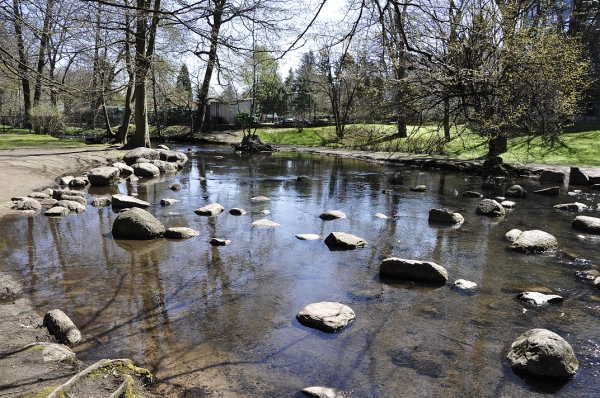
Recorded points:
(577,145)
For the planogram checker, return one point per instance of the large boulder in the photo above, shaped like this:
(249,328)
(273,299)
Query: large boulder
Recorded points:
(164,166)
(332,215)
(124,170)
(119,200)
(145,170)
(516,191)
(444,215)
(576,176)
(534,241)
(342,240)
(552,176)
(586,223)
(132,156)
(210,210)
(172,156)
(326,316)
(136,223)
(413,269)
(61,327)
(27,204)
(542,352)
(491,208)
(103,176)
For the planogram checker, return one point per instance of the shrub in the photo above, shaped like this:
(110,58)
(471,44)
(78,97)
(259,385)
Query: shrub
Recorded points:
(46,119)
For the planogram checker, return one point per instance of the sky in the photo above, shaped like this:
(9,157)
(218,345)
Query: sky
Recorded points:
(331,11)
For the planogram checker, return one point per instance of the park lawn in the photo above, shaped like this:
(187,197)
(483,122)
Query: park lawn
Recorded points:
(26,139)
(577,146)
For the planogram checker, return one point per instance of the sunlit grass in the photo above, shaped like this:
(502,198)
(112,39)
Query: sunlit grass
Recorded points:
(26,139)
(577,145)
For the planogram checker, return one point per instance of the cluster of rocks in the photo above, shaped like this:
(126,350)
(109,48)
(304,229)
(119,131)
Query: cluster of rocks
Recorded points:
(137,163)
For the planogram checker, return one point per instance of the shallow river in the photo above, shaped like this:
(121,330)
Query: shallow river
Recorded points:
(222,319)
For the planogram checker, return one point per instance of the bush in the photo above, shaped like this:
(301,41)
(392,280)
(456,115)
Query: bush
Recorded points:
(46,119)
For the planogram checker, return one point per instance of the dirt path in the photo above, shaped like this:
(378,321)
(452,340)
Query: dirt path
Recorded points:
(24,170)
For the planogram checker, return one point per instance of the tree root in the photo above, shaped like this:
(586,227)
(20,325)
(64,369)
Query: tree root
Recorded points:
(125,364)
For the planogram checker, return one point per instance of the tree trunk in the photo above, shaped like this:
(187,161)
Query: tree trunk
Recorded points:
(155,104)
(144,49)
(210,65)
(22,67)
(124,128)
(37,94)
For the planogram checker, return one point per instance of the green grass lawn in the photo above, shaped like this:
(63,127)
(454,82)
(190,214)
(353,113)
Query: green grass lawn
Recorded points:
(21,139)
(577,146)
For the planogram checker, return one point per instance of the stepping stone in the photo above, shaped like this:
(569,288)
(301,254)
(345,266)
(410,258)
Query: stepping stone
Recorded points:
(307,236)
(332,215)
(265,223)
(180,233)
(326,316)
(210,210)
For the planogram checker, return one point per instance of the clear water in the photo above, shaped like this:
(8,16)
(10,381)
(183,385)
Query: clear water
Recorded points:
(222,319)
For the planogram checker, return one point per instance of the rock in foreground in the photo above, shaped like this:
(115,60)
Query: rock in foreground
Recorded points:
(491,208)
(542,352)
(61,327)
(136,223)
(326,316)
(103,176)
(586,223)
(413,269)
(210,210)
(534,241)
(538,299)
(332,215)
(342,240)
(444,215)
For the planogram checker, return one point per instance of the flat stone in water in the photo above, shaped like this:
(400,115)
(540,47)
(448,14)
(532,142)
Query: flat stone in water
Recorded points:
(326,316)
(260,199)
(265,223)
(343,240)
(382,216)
(212,209)
(308,236)
(536,298)
(169,202)
(464,285)
(57,211)
(332,215)
(236,211)
(219,242)
(180,233)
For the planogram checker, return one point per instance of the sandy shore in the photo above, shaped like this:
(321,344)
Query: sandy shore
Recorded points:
(24,170)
